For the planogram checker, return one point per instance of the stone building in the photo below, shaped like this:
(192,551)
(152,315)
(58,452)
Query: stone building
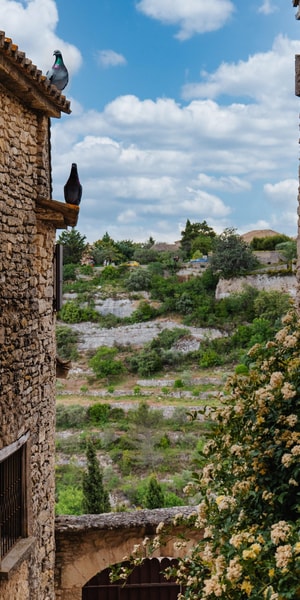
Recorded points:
(29,218)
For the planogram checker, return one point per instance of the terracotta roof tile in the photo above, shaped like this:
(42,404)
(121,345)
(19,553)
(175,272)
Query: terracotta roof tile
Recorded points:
(16,68)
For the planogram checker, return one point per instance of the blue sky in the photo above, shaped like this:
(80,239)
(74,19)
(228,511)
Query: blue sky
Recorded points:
(181,109)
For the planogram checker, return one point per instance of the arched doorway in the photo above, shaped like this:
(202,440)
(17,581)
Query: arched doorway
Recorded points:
(146,582)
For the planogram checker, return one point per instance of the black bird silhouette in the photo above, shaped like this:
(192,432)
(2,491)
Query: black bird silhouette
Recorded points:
(73,187)
(58,74)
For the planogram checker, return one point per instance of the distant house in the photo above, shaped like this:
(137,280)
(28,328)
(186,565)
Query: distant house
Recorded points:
(29,218)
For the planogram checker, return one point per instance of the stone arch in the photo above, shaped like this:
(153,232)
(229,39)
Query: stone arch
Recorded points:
(89,544)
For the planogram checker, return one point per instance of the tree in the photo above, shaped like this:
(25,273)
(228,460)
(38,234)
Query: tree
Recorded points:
(74,245)
(126,249)
(269,242)
(95,497)
(105,251)
(197,236)
(232,256)
(139,279)
(154,494)
(288,250)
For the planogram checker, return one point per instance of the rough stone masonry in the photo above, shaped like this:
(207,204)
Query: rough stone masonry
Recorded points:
(28,221)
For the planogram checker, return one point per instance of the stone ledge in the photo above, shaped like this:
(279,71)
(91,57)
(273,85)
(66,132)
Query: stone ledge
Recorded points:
(20,552)
(68,524)
(60,214)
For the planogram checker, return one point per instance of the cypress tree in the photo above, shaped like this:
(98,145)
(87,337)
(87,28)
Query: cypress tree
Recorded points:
(154,494)
(95,497)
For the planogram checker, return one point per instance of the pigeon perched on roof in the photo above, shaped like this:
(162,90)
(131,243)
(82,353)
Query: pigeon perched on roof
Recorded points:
(58,74)
(73,187)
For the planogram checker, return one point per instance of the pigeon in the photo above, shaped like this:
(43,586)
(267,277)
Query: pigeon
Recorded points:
(58,74)
(73,187)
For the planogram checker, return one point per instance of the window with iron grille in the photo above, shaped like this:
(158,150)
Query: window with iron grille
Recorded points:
(13,522)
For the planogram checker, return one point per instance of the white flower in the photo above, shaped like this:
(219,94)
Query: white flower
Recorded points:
(283,556)
(280,532)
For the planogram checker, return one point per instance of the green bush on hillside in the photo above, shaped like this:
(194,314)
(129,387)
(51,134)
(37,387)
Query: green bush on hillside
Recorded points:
(72,312)
(66,342)
(104,364)
(71,417)
(98,413)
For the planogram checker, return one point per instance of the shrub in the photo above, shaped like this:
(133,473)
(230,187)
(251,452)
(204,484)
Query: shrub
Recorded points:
(86,269)
(143,313)
(249,483)
(110,273)
(70,312)
(144,416)
(146,362)
(66,342)
(117,414)
(138,280)
(171,499)
(98,413)
(241,370)
(69,501)
(104,364)
(69,272)
(127,462)
(70,417)
(178,383)
(210,358)
(168,337)
(164,442)
(271,305)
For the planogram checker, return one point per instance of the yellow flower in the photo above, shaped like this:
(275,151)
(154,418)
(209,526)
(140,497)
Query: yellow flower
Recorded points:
(297,548)
(219,499)
(246,587)
(271,573)
(252,552)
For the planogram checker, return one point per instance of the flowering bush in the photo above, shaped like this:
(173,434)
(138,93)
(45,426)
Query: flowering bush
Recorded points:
(249,483)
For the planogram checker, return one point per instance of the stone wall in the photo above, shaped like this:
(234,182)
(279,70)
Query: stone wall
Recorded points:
(287,283)
(27,339)
(298,241)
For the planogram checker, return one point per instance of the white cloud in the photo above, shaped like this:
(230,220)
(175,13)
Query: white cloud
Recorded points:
(266,77)
(32,24)
(110,58)
(283,200)
(283,192)
(127,216)
(192,16)
(231,183)
(201,203)
(148,165)
(268,7)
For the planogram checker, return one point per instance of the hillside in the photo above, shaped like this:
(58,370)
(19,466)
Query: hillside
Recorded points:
(143,361)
